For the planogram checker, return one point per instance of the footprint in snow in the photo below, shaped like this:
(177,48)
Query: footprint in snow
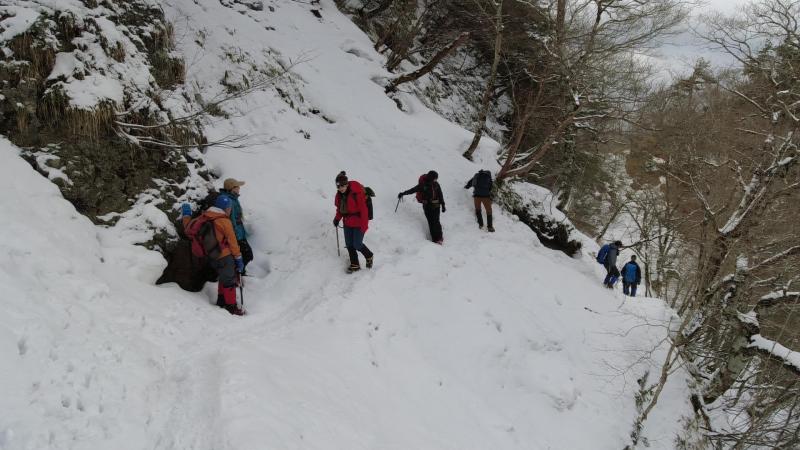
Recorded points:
(22,346)
(549,345)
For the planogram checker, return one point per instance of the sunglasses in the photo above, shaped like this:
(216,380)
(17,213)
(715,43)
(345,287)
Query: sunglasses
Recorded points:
(341,185)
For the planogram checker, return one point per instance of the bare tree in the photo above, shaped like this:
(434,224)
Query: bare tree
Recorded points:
(590,74)
(490,83)
(183,132)
(732,151)
(441,54)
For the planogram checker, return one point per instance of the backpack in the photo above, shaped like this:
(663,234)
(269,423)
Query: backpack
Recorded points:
(418,195)
(603,254)
(369,193)
(200,232)
(483,181)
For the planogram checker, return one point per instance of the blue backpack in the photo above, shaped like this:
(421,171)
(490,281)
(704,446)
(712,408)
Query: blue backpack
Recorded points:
(603,254)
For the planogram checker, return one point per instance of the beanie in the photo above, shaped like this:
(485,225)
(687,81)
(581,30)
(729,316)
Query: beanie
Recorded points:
(341,179)
(223,202)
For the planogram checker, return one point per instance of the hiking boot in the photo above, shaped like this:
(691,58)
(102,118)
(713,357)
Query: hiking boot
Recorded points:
(490,229)
(479,216)
(353,268)
(440,242)
(369,262)
(235,310)
(489,223)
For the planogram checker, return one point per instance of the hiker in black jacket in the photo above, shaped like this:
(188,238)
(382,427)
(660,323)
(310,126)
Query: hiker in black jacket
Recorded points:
(429,193)
(481,185)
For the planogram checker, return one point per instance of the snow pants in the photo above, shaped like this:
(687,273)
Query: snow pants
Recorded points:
(611,276)
(354,241)
(629,288)
(432,212)
(487,205)
(226,286)
(247,251)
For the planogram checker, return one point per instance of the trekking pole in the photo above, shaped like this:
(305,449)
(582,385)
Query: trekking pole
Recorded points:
(241,293)
(398,204)
(241,289)
(338,246)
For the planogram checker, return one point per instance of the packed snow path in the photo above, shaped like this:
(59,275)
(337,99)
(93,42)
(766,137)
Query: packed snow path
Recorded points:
(488,342)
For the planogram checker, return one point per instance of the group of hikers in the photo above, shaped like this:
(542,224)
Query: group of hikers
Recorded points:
(631,273)
(218,237)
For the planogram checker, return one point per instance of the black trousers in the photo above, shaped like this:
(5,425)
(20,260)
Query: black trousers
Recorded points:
(432,215)
(247,251)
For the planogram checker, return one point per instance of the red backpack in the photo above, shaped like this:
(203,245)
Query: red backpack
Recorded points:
(418,195)
(200,232)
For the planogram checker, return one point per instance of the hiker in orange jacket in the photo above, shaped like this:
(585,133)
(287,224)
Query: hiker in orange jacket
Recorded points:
(229,263)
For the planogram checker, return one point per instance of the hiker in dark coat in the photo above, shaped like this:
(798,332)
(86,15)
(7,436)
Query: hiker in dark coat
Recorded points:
(231,189)
(631,277)
(351,205)
(481,184)
(429,193)
(612,273)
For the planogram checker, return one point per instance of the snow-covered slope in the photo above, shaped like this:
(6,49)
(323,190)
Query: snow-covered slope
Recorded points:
(488,342)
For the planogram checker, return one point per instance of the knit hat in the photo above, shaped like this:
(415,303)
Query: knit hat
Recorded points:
(341,179)
(223,202)
(231,183)
(432,175)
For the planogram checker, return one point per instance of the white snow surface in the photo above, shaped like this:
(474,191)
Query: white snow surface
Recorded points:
(488,342)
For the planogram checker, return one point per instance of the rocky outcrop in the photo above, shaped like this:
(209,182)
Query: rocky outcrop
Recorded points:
(85,89)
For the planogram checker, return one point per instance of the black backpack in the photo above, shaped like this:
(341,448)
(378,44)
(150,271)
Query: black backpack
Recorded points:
(369,193)
(483,181)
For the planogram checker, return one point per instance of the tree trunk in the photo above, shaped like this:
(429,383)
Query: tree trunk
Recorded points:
(487,94)
(611,219)
(382,6)
(392,87)
(561,13)
(546,146)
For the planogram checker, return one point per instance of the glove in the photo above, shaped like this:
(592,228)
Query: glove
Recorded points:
(443,208)
(239,264)
(186,209)
(400,195)
(336,223)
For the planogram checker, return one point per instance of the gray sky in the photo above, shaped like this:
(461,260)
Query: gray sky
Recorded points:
(678,53)
(723,5)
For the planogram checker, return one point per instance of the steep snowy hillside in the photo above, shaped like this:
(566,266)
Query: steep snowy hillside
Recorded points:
(490,341)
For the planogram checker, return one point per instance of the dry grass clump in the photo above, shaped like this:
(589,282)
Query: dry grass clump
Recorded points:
(167,70)
(94,124)
(40,57)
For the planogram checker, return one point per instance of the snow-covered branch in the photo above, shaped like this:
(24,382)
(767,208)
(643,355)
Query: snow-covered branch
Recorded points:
(776,352)
(779,297)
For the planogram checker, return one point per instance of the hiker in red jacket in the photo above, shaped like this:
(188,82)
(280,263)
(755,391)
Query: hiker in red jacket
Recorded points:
(351,205)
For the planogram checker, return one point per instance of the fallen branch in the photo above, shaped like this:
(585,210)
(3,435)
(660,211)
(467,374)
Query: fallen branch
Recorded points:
(392,87)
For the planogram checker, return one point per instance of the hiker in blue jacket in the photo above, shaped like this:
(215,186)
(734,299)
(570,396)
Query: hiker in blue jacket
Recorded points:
(631,277)
(231,189)
(610,263)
